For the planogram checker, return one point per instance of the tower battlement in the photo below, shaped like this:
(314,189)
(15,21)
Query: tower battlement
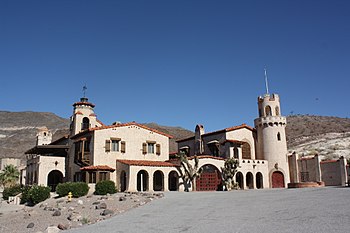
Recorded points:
(268,97)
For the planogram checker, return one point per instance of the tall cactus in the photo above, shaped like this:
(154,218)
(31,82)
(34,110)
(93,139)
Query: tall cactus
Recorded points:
(228,172)
(188,173)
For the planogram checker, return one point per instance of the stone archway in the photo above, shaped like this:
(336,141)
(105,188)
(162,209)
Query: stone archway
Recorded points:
(259,181)
(123,181)
(158,181)
(210,179)
(173,180)
(249,180)
(239,180)
(54,178)
(142,181)
(277,179)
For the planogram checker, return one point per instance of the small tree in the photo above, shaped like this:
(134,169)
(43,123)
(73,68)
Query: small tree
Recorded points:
(9,176)
(228,172)
(189,173)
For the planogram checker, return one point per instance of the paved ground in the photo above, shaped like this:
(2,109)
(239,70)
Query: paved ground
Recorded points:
(283,210)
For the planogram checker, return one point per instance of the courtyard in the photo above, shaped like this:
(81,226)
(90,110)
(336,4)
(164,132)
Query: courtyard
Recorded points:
(269,210)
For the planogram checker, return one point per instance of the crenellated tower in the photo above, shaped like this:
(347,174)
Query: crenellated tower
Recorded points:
(271,139)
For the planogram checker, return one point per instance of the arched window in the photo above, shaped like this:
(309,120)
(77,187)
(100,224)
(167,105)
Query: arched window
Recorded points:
(268,111)
(279,136)
(277,110)
(85,124)
(246,151)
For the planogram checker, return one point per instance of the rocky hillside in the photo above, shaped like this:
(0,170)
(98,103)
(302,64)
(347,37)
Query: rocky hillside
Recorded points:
(18,131)
(328,136)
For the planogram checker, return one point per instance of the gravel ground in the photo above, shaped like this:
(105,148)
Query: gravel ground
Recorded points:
(308,210)
(58,213)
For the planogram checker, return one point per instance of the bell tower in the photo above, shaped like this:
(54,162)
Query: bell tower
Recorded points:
(83,116)
(271,139)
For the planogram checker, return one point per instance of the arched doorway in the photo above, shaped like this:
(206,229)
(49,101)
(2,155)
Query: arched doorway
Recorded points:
(259,180)
(209,180)
(173,181)
(53,179)
(277,179)
(158,181)
(142,181)
(250,180)
(123,181)
(239,180)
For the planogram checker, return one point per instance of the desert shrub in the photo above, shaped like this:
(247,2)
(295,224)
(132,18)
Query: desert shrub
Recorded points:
(11,191)
(38,194)
(104,187)
(25,194)
(78,189)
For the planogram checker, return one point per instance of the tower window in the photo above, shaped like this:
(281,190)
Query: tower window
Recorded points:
(268,111)
(85,124)
(279,136)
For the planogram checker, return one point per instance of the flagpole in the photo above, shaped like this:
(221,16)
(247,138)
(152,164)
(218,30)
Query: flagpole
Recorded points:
(266,82)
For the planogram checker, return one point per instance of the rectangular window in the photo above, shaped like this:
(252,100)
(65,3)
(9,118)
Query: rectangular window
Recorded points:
(92,177)
(103,176)
(114,145)
(150,148)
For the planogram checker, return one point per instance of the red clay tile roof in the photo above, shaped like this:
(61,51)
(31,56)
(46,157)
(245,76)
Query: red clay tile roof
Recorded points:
(147,163)
(234,141)
(122,125)
(206,157)
(222,131)
(97,168)
(100,122)
(84,103)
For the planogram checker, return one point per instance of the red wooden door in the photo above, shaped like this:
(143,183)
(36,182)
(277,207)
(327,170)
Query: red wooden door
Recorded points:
(209,180)
(277,180)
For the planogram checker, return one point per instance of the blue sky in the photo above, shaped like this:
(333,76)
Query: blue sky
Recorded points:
(177,63)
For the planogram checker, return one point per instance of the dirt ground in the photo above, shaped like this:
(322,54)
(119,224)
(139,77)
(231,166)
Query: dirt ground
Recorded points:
(59,213)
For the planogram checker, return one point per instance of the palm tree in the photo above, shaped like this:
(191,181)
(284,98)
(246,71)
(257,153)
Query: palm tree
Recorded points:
(9,176)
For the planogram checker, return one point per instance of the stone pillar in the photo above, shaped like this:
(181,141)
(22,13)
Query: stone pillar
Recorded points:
(165,182)
(318,168)
(343,173)
(294,168)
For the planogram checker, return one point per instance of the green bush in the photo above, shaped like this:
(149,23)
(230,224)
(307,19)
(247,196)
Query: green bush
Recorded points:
(11,191)
(38,194)
(104,187)
(78,189)
(25,194)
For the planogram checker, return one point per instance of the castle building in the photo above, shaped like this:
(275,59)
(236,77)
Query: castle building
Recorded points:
(136,157)
(260,151)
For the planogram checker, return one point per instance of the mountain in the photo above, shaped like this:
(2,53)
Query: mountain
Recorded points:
(18,131)
(328,136)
